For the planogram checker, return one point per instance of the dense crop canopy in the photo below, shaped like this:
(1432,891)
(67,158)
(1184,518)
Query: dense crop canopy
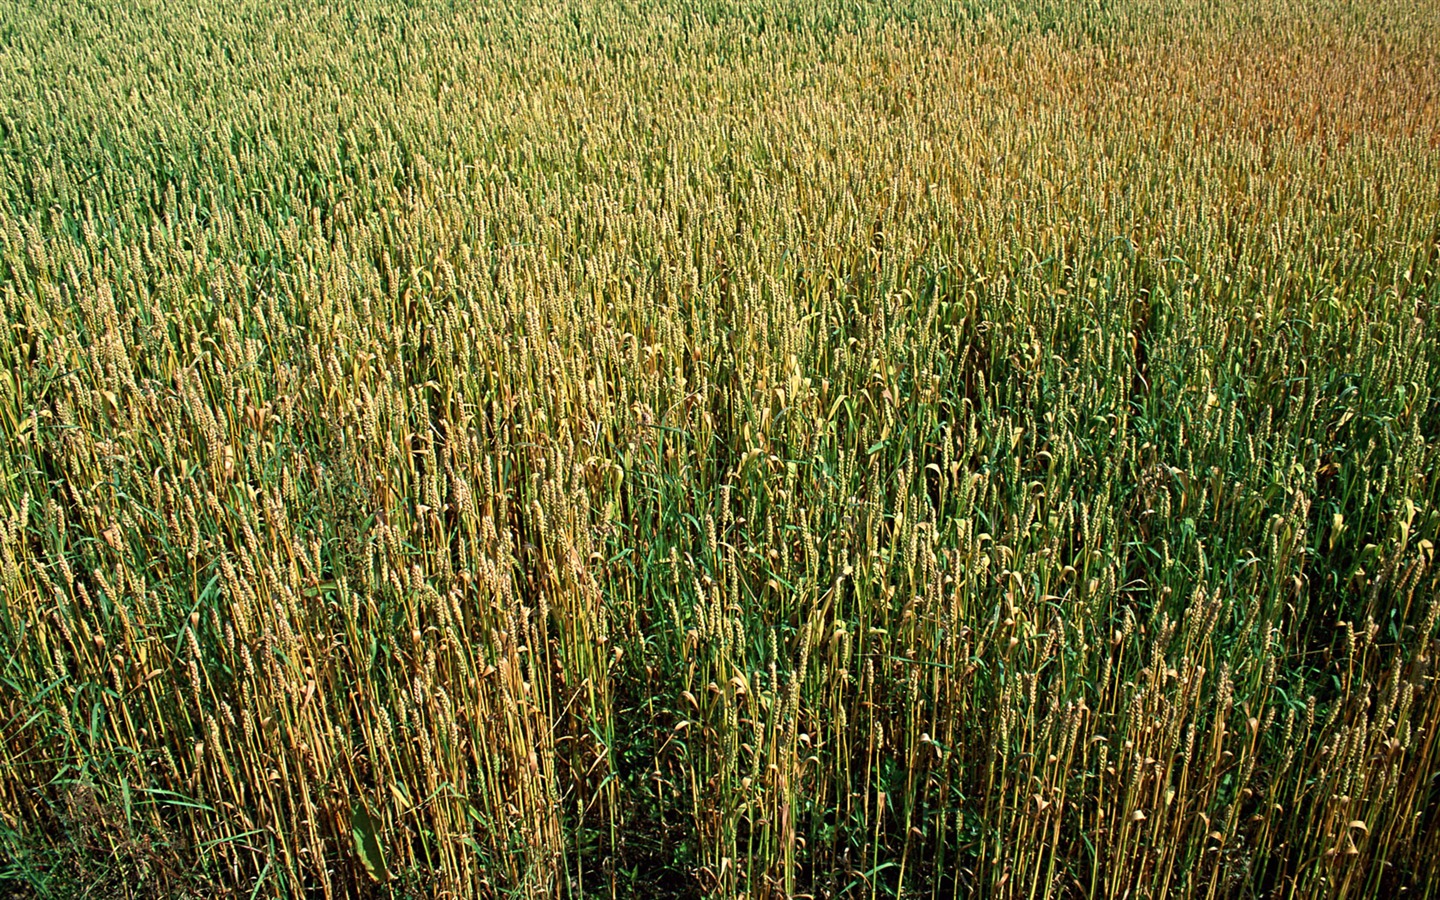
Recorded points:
(738,449)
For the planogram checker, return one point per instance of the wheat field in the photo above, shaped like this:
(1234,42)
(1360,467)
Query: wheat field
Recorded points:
(743,449)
